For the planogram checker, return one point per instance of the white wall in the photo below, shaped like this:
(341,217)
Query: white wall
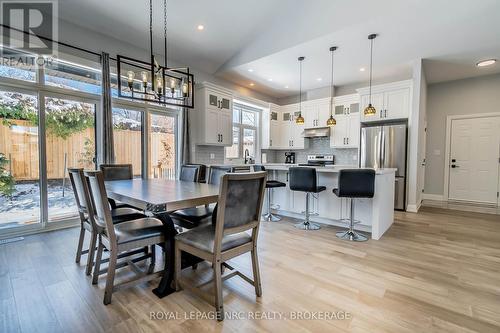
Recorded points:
(461,97)
(416,132)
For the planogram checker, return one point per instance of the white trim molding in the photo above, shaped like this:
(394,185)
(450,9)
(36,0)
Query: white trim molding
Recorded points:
(449,119)
(434,197)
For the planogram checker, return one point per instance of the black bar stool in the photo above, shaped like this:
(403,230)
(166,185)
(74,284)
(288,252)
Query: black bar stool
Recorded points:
(270,185)
(304,179)
(355,183)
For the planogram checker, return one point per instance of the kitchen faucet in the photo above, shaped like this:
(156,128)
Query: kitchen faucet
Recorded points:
(246,155)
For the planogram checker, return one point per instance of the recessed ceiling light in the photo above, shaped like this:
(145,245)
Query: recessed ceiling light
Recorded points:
(319,79)
(201,27)
(252,84)
(485,63)
(250,70)
(270,79)
(362,69)
(286,87)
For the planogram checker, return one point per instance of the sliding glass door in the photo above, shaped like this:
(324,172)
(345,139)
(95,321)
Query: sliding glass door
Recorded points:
(19,160)
(69,143)
(127,137)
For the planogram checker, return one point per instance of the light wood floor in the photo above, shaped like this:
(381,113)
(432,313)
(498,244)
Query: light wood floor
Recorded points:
(438,270)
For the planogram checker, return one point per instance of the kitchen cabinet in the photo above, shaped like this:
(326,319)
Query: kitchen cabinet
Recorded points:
(271,129)
(392,101)
(345,134)
(292,134)
(316,112)
(211,121)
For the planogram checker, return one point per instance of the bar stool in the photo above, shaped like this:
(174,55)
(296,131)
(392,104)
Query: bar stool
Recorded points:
(304,179)
(355,183)
(270,185)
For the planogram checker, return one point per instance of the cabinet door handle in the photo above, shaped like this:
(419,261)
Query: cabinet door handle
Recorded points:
(381,112)
(344,140)
(347,140)
(221,138)
(385,113)
(271,142)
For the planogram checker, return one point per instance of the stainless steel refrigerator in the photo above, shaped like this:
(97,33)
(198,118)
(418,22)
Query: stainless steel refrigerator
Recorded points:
(384,146)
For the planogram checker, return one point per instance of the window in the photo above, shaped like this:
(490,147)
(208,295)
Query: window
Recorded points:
(17,65)
(245,131)
(66,75)
(127,137)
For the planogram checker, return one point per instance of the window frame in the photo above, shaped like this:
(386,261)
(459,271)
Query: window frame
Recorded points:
(241,150)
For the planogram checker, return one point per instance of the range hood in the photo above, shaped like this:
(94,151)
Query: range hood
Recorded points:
(320,132)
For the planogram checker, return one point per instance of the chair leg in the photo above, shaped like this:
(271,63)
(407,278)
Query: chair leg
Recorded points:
(269,216)
(80,245)
(110,277)
(256,272)
(90,259)
(306,225)
(153,259)
(219,305)
(97,265)
(177,270)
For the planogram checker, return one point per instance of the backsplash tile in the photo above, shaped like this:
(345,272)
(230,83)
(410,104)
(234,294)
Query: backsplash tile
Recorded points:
(201,154)
(320,146)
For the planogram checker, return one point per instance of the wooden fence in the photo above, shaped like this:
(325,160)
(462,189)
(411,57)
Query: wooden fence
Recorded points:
(19,143)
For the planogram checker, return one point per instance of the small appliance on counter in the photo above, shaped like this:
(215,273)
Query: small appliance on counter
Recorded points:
(319,160)
(290,157)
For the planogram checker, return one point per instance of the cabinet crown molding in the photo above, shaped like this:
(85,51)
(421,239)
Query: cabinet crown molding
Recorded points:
(215,87)
(387,86)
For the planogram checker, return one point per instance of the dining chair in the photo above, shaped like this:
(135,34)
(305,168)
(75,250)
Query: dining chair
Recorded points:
(85,212)
(189,173)
(121,238)
(117,172)
(191,217)
(240,205)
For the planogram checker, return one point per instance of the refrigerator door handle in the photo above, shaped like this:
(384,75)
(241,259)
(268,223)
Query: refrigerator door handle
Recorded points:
(382,148)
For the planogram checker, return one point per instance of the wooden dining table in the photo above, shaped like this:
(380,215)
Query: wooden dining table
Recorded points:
(159,197)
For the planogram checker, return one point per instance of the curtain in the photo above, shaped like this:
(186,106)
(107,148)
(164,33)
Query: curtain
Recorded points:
(107,112)
(185,147)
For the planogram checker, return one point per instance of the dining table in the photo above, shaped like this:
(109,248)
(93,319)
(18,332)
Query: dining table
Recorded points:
(159,197)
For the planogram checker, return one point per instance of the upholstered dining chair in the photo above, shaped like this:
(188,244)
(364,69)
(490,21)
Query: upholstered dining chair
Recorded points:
(239,209)
(117,172)
(189,173)
(85,212)
(191,217)
(121,238)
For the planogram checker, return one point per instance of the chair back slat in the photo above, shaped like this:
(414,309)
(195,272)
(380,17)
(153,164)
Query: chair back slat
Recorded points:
(117,171)
(99,197)
(240,203)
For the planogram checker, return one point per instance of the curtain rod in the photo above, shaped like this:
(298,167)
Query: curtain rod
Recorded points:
(54,41)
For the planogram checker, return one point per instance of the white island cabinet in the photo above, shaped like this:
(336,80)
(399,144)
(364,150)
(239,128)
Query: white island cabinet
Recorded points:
(376,214)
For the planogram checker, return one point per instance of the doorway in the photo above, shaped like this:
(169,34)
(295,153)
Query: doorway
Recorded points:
(473,160)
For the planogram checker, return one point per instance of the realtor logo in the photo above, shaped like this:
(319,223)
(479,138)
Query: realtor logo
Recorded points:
(38,20)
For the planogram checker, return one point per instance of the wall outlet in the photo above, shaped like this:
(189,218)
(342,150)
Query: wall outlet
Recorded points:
(212,156)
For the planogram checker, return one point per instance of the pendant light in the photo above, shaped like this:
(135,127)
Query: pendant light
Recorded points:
(331,121)
(300,120)
(370,110)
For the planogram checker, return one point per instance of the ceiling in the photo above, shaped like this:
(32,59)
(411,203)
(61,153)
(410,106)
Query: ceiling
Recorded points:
(267,36)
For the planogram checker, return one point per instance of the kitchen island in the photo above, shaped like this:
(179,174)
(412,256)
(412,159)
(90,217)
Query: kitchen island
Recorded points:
(376,215)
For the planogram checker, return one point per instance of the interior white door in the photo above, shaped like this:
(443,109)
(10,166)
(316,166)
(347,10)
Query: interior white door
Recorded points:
(474,154)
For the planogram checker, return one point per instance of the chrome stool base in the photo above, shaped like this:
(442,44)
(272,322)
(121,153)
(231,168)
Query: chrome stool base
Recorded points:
(270,217)
(307,226)
(351,235)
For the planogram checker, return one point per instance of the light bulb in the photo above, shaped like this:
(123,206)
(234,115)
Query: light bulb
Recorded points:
(185,89)
(130,76)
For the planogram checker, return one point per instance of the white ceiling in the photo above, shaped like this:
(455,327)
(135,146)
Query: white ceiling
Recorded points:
(268,36)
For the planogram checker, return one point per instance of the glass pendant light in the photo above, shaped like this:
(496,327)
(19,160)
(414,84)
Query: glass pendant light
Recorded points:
(331,121)
(370,110)
(300,120)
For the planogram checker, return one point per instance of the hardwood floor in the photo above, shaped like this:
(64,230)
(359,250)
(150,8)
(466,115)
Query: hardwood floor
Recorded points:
(438,270)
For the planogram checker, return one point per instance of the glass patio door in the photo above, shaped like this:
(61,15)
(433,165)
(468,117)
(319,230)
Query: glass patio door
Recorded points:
(162,145)
(70,142)
(19,161)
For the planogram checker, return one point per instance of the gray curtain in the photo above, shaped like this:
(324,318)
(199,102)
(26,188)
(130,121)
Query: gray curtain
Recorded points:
(107,112)
(185,147)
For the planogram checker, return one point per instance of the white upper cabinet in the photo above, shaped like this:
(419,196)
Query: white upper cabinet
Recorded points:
(316,112)
(345,134)
(392,101)
(271,129)
(211,121)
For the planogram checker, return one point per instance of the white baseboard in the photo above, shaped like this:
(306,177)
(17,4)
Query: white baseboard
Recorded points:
(435,197)
(412,208)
